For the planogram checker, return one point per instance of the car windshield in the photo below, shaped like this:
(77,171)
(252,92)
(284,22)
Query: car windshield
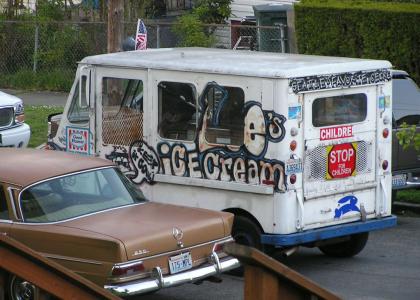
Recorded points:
(78,194)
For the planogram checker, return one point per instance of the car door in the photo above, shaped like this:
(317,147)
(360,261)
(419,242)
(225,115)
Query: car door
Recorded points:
(406,109)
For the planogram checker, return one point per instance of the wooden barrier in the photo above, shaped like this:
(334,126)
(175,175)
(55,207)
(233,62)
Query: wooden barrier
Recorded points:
(48,276)
(267,279)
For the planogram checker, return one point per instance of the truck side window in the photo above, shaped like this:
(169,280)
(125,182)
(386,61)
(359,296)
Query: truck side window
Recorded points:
(336,110)
(78,114)
(122,114)
(177,110)
(4,212)
(224,117)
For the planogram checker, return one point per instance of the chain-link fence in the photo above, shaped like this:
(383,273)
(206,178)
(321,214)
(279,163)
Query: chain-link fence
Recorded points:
(53,49)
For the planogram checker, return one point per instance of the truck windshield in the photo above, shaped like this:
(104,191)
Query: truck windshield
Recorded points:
(78,194)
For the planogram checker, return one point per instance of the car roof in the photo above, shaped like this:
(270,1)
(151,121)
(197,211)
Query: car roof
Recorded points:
(23,167)
(234,62)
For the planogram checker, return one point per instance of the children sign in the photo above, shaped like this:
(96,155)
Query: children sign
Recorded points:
(341,160)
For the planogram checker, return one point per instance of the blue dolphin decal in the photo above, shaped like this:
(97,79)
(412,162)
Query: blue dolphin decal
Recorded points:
(345,205)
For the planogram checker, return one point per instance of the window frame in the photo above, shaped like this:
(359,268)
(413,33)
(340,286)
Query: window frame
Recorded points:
(244,103)
(3,198)
(366,102)
(159,109)
(75,102)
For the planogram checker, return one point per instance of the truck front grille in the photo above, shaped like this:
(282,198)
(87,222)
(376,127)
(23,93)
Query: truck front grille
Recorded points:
(6,116)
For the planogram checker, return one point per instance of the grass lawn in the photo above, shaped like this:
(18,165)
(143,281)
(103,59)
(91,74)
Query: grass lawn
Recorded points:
(36,117)
(411,196)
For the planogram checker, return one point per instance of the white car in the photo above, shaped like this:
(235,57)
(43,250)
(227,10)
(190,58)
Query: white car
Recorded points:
(14,132)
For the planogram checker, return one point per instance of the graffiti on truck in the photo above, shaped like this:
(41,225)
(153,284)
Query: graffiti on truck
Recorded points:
(139,162)
(246,162)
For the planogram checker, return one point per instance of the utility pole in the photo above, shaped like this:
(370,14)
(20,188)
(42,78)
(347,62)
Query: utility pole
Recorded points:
(115,25)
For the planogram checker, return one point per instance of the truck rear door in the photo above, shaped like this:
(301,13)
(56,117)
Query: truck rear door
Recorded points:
(340,149)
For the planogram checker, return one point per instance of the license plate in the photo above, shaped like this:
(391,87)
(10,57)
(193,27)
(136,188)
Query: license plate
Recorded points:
(399,180)
(180,263)
(294,166)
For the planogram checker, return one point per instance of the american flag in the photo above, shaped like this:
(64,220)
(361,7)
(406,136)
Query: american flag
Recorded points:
(141,36)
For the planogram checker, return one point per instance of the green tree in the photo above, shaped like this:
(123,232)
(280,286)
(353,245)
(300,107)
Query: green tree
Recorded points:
(408,137)
(193,29)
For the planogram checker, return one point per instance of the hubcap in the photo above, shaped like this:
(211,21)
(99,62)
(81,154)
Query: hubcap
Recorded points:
(22,289)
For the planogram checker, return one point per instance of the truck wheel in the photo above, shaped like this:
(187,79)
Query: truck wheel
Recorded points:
(349,248)
(20,289)
(246,232)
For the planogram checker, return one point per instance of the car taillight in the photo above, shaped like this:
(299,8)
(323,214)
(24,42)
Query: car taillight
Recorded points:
(385,133)
(292,179)
(218,247)
(385,165)
(127,270)
(293,145)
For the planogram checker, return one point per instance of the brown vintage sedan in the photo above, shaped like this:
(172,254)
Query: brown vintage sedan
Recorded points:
(84,214)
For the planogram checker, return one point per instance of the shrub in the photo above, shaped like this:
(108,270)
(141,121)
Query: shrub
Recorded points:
(365,29)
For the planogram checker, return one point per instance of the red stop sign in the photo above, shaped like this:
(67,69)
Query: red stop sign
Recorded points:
(341,161)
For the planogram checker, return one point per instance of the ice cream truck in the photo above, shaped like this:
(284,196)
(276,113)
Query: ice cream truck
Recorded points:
(298,147)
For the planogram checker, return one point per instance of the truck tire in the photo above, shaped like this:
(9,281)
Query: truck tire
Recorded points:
(246,232)
(349,248)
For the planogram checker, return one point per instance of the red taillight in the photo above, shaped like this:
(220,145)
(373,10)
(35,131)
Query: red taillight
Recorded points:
(292,179)
(385,133)
(127,270)
(385,165)
(293,145)
(218,247)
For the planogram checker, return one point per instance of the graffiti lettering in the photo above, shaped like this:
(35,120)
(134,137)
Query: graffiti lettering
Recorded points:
(220,164)
(322,82)
(243,164)
(146,162)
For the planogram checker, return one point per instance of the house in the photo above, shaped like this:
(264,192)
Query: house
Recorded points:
(242,13)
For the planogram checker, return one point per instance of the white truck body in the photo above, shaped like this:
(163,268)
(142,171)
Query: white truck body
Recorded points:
(296,144)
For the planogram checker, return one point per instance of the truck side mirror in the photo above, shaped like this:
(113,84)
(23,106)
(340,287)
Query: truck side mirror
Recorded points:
(84,87)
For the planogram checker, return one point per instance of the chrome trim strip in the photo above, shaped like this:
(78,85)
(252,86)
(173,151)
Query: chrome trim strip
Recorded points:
(12,201)
(158,280)
(61,176)
(72,259)
(79,217)
(225,239)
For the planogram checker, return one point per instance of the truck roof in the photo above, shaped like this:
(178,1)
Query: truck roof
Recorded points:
(234,62)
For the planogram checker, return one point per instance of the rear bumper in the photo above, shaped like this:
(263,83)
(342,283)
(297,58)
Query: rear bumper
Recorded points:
(282,240)
(15,137)
(158,281)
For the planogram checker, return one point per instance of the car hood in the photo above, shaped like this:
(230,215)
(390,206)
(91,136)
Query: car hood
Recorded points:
(6,99)
(148,229)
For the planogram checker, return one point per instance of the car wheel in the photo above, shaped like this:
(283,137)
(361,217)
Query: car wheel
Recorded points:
(20,289)
(348,248)
(246,232)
